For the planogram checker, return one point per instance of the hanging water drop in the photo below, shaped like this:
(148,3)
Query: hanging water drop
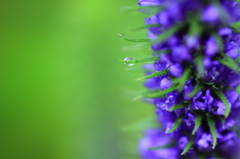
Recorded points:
(129,61)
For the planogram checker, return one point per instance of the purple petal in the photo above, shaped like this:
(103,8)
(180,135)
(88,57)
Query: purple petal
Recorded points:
(165,83)
(176,70)
(211,47)
(232,96)
(211,13)
(232,50)
(149,2)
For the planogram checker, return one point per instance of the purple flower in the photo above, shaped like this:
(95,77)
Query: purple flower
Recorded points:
(211,47)
(232,49)
(202,100)
(149,2)
(176,70)
(154,138)
(210,14)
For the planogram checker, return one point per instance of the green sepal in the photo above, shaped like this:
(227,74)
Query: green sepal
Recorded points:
(162,147)
(212,127)
(219,40)
(229,62)
(238,58)
(138,46)
(235,28)
(165,51)
(154,94)
(144,27)
(201,156)
(176,124)
(142,60)
(237,24)
(223,121)
(196,89)
(182,80)
(195,28)
(198,121)
(225,102)
(147,123)
(164,36)
(163,72)
(150,9)
(200,68)
(123,37)
(177,106)
(188,146)
(238,89)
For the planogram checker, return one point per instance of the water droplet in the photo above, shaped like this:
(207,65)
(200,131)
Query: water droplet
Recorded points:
(122,36)
(128,59)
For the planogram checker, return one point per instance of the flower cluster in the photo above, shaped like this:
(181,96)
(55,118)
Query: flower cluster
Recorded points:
(195,80)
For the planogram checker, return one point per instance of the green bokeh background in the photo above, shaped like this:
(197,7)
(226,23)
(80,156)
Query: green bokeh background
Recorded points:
(63,92)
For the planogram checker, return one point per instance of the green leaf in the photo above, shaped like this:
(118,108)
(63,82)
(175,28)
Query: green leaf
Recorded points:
(177,106)
(196,89)
(123,37)
(163,72)
(176,124)
(163,147)
(198,121)
(164,36)
(188,146)
(144,27)
(151,94)
(225,102)
(213,131)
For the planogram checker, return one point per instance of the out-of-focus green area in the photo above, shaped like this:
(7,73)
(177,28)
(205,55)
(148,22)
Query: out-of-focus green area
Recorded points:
(63,92)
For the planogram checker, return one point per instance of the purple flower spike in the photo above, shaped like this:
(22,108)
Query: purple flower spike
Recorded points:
(194,82)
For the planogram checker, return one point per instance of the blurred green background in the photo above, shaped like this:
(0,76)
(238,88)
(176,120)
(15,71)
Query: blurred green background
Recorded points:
(63,92)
